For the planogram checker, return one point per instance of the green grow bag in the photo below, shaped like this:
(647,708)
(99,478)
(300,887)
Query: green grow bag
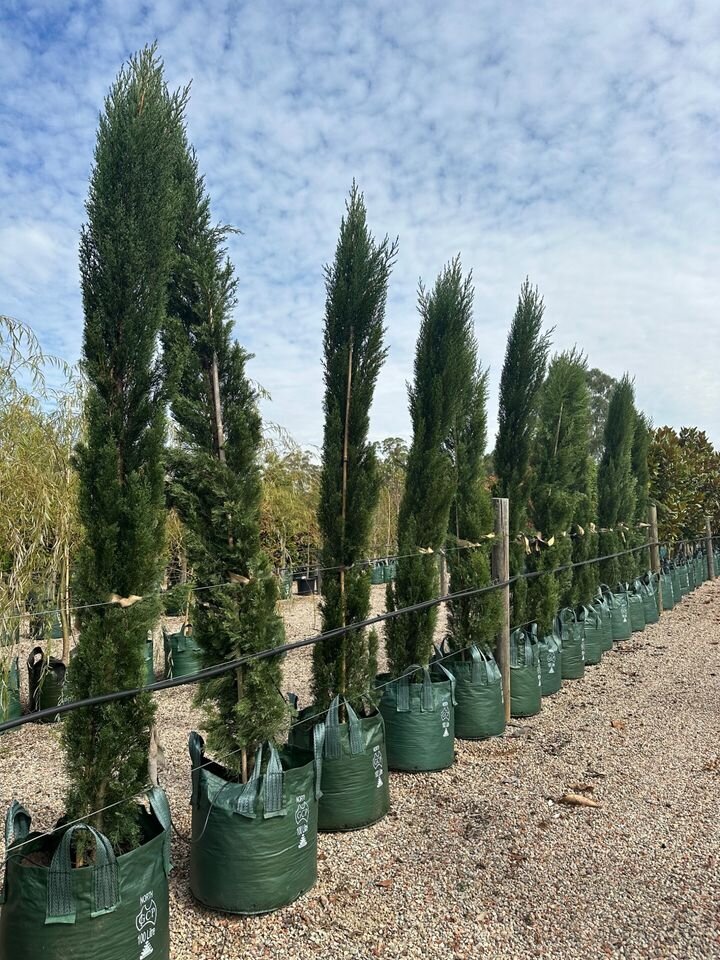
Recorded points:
(479,704)
(355,783)
(591,620)
(683,580)
(389,572)
(572,635)
(635,610)
(701,570)
(668,594)
(10,706)
(647,588)
(115,910)
(603,608)
(285,583)
(419,718)
(550,653)
(182,655)
(619,614)
(525,675)
(46,676)
(691,569)
(675,577)
(377,574)
(254,845)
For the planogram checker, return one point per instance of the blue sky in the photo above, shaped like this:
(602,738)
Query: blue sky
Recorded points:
(576,143)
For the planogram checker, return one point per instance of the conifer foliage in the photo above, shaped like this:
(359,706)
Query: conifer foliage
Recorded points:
(215,486)
(520,381)
(353,351)
(442,372)
(559,482)
(126,254)
(474,619)
(640,561)
(616,483)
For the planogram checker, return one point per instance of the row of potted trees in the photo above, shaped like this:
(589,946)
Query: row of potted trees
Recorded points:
(155,271)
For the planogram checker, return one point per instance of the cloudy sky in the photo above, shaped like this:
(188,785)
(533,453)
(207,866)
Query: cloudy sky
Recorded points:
(576,143)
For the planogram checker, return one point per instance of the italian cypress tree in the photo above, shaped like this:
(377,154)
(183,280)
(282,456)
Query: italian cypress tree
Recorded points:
(641,472)
(356,292)
(586,579)
(443,369)
(473,619)
(126,254)
(616,484)
(520,381)
(216,486)
(559,480)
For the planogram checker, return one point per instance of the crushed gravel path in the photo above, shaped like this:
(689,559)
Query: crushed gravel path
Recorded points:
(481,860)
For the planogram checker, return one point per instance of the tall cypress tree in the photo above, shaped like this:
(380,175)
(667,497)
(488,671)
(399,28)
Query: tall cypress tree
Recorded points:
(215,485)
(586,578)
(474,619)
(356,293)
(126,254)
(443,369)
(559,464)
(520,381)
(640,561)
(616,484)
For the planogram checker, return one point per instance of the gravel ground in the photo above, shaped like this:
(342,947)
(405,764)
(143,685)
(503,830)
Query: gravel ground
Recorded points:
(481,860)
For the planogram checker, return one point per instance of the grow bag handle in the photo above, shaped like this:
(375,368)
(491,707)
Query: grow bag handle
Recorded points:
(403,689)
(451,678)
(17,829)
(333,749)
(32,660)
(591,613)
(161,808)
(61,907)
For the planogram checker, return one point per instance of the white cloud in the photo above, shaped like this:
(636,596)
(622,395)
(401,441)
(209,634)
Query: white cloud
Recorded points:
(574,144)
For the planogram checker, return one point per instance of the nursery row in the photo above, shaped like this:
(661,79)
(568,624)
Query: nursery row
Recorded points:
(254,843)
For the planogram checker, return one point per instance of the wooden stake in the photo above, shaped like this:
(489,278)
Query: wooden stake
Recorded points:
(501,572)
(343,517)
(655,551)
(443,573)
(709,549)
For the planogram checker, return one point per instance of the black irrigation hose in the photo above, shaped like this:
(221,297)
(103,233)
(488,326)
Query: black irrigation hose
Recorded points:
(219,669)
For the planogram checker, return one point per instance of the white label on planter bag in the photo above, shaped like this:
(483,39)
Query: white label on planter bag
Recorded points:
(378,765)
(146,924)
(445,718)
(302,816)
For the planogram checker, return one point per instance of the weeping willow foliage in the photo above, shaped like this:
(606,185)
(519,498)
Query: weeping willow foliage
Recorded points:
(520,381)
(443,369)
(616,483)
(559,481)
